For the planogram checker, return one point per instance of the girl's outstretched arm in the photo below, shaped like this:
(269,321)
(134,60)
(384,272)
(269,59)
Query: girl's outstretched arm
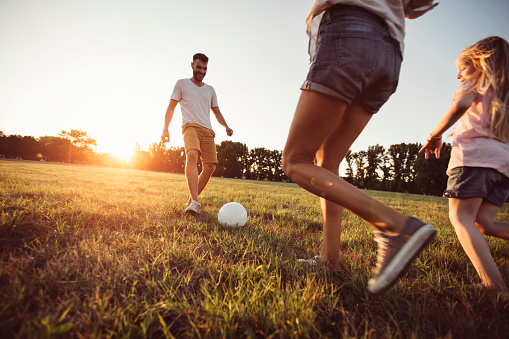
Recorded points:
(456,111)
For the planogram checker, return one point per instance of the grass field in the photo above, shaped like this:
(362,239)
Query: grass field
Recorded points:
(92,252)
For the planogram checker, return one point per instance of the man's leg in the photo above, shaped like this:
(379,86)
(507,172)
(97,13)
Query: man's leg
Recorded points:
(192,173)
(208,159)
(205,175)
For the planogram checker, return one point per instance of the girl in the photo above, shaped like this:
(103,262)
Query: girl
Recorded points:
(356,51)
(478,170)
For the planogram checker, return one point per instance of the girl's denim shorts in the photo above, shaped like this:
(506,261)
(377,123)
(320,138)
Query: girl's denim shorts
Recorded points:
(471,182)
(356,59)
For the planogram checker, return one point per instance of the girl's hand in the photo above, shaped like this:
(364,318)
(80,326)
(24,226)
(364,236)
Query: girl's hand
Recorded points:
(433,146)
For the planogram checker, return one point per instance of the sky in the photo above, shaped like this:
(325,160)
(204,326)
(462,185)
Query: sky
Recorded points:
(108,67)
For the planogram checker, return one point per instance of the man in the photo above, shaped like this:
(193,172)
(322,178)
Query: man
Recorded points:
(196,100)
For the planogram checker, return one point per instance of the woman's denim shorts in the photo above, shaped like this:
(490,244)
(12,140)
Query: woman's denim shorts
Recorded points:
(470,182)
(356,59)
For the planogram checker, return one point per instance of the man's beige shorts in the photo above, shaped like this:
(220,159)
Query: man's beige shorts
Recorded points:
(202,139)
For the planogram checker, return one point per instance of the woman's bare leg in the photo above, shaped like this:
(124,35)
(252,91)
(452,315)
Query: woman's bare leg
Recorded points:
(318,120)
(316,117)
(329,156)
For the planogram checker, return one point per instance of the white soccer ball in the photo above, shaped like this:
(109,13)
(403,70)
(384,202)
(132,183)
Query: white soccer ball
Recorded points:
(232,214)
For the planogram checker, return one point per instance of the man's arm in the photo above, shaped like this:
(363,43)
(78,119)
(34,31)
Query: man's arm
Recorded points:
(221,120)
(167,120)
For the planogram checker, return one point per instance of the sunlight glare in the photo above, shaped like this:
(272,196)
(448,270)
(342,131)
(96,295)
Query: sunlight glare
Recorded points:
(117,148)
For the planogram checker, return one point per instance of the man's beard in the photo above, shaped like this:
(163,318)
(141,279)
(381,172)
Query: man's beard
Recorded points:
(198,76)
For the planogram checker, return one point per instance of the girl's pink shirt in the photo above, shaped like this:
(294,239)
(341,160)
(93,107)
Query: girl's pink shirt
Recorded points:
(472,145)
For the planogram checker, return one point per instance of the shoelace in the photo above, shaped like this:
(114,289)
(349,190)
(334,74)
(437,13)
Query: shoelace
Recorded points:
(383,244)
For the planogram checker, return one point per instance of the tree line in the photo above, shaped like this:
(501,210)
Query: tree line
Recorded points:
(400,168)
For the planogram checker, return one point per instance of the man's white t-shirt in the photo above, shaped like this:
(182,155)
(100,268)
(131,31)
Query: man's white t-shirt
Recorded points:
(195,102)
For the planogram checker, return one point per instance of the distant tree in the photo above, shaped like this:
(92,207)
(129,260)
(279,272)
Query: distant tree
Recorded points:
(157,153)
(263,164)
(80,145)
(385,168)
(248,166)
(176,159)
(13,146)
(231,158)
(3,146)
(140,159)
(259,164)
(30,148)
(349,170)
(79,138)
(409,171)
(54,148)
(374,156)
(17,146)
(398,157)
(267,165)
(360,165)
(277,173)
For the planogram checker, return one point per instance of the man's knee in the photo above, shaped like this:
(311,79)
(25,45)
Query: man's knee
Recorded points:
(192,156)
(210,168)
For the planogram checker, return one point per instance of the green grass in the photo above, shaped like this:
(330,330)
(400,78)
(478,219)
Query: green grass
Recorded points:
(92,252)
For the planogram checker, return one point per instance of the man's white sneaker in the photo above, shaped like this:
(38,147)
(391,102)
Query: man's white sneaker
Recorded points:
(313,261)
(194,207)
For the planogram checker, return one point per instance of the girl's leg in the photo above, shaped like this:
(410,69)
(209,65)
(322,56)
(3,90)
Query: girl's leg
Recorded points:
(463,215)
(487,224)
(316,117)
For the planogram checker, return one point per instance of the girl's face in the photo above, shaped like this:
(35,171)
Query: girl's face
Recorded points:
(466,70)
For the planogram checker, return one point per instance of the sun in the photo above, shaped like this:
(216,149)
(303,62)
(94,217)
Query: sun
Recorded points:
(116,148)
(123,154)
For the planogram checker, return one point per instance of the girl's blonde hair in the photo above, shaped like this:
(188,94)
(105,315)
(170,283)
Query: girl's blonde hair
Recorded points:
(490,57)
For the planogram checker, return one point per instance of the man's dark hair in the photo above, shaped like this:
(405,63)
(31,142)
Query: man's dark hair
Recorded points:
(200,56)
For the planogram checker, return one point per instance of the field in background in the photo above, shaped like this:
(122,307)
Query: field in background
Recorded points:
(99,252)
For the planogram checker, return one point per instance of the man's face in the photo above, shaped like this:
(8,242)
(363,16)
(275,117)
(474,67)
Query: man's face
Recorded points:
(199,69)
